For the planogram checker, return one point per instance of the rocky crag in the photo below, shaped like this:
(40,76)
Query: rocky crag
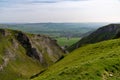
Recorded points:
(23,55)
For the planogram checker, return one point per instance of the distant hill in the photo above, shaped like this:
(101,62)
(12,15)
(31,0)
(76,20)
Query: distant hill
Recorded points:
(23,55)
(56,29)
(104,33)
(99,61)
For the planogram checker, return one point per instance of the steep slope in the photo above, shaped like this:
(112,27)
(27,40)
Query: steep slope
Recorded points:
(100,61)
(104,33)
(24,55)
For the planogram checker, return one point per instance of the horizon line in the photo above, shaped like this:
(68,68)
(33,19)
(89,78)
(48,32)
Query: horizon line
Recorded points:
(50,22)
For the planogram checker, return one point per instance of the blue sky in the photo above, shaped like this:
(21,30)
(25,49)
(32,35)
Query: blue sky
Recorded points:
(59,11)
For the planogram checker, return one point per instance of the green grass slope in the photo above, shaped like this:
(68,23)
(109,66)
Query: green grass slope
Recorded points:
(100,61)
(24,55)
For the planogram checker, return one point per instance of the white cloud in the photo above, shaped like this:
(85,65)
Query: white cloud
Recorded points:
(63,11)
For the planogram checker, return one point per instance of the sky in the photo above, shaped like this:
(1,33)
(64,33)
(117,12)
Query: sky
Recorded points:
(33,11)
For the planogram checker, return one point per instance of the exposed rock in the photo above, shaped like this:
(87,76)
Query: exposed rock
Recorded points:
(111,75)
(26,53)
(9,54)
(1,67)
(14,42)
(24,41)
(4,32)
(47,47)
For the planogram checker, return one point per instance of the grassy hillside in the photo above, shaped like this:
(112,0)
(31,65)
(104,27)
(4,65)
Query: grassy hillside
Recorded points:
(23,55)
(104,33)
(100,61)
(14,63)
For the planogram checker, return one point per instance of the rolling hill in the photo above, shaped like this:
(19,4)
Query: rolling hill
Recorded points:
(24,55)
(104,33)
(55,29)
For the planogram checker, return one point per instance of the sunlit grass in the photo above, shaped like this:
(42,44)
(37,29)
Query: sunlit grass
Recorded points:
(62,41)
(99,61)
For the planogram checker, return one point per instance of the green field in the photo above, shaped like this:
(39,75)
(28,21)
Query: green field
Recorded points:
(62,41)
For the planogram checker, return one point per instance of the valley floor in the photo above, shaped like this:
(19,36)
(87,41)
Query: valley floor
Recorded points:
(63,41)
